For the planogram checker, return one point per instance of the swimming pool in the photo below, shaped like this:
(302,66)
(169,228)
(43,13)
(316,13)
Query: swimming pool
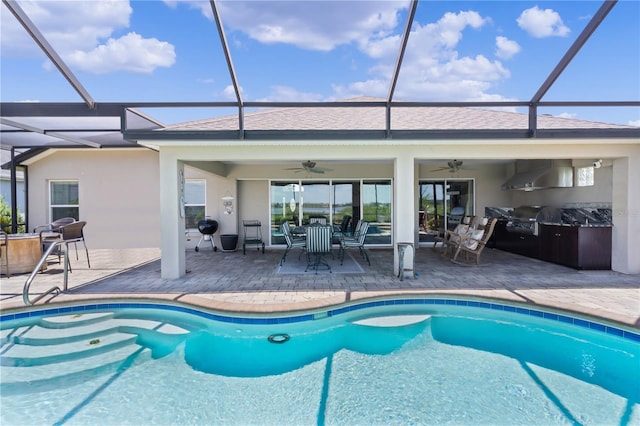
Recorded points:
(395,361)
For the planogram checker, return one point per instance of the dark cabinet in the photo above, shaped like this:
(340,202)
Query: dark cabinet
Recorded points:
(514,242)
(576,246)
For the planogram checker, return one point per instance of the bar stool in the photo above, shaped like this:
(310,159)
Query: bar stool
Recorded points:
(402,247)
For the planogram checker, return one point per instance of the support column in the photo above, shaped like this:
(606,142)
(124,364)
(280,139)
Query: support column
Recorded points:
(172,224)
(626,214)
(404,206)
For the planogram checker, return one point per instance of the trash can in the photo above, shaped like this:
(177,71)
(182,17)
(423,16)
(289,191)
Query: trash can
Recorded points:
(229,242)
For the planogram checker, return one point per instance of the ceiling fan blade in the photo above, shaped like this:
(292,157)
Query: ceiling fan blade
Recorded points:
(314,170)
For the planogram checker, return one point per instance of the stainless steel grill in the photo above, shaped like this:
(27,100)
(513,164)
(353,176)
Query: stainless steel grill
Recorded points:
(525,219)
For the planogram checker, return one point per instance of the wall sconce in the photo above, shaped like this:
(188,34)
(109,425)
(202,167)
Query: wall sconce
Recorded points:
(227,202)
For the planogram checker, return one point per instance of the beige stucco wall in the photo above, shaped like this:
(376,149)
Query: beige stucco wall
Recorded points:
(130,197)
(118,191)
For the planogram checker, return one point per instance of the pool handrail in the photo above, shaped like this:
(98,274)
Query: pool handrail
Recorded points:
(27,284)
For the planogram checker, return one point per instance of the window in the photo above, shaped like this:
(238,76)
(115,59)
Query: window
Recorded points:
(584,176)
(195,197)
(64,200)
(376,209)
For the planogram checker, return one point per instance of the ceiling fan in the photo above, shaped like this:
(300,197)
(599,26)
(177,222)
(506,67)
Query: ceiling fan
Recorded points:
(308,166)
(453,166)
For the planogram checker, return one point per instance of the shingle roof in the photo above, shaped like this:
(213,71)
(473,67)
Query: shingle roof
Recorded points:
(373,118)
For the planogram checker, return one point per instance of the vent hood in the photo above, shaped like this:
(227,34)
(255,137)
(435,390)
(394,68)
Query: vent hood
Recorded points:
(540,174)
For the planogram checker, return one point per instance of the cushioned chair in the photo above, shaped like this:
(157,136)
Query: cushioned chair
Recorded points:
(292,242)
(472,243)
(357,240)
(319,243)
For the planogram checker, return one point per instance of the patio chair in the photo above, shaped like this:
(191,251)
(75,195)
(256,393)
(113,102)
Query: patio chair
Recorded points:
(357,240)
(317,220)
(50,233)
(341,230)
(291,240)
(73,233)
(4,252)
(319,243)
(473,243)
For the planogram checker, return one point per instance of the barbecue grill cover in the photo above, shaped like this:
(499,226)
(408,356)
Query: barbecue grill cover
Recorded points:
(208,226)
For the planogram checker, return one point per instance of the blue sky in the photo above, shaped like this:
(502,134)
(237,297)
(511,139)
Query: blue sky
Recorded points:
(159,51)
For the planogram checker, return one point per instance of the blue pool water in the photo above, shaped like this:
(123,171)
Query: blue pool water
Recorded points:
(403,361)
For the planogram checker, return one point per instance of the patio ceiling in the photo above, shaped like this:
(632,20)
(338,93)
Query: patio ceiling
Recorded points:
(26,125)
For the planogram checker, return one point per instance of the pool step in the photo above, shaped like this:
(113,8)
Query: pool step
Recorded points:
(25,355)
(76,346)
(38,378)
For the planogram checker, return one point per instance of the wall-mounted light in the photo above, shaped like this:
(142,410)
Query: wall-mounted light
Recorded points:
(227,202)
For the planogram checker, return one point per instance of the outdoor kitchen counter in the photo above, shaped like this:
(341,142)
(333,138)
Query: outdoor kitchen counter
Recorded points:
(580,247)
(24,252)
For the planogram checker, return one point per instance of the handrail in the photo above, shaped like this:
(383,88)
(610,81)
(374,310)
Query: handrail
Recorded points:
(27,284)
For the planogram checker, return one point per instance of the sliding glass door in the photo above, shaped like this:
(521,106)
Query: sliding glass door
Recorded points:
(437,200)
(300,201)
(376,209)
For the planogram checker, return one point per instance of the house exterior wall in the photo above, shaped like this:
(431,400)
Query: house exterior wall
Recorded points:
(249,160)
(130,198)
(118,194)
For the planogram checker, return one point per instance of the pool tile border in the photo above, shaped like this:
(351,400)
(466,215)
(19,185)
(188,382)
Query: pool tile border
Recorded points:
(592,325)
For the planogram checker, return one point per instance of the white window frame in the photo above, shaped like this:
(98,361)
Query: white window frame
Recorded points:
(203,205)
(54,206)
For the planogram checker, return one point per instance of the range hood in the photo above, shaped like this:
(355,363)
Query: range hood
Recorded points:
(540,174)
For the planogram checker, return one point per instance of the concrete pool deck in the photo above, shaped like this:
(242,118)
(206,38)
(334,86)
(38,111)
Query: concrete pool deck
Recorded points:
(231,281)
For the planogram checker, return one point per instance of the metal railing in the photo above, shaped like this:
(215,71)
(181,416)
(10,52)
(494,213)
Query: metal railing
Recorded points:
(56,289)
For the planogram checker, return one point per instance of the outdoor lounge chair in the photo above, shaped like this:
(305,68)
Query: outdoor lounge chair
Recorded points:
(357,240)
(471,243)
(292,242)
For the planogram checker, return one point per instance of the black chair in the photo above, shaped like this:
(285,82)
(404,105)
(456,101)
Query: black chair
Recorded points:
(74,233)
(50,233)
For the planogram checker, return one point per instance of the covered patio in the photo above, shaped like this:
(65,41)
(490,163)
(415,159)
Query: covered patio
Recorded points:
(249,283)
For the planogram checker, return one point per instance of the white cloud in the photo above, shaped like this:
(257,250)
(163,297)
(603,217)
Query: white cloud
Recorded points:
(432,68)
(506,48)
(312,25)
(286,93)
(635,123)
(127,53)
(230,93)
(76,30)
(567,115)
(540,23)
